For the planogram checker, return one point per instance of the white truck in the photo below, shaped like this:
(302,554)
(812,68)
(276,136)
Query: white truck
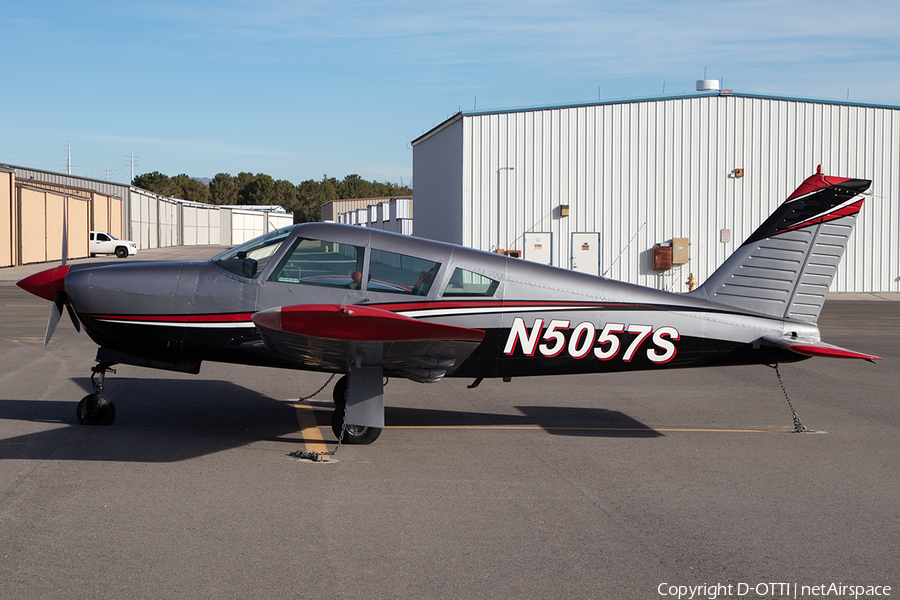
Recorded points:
(105,243)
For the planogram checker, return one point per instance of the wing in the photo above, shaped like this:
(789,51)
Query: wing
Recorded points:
(331,337)
(807,348)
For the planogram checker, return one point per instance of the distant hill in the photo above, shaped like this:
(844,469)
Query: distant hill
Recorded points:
(204,180)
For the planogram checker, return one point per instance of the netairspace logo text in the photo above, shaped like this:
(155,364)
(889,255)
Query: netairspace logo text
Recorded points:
(771,590)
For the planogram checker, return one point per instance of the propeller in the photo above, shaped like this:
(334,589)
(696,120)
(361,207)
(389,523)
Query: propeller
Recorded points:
(60,298)
(56,312)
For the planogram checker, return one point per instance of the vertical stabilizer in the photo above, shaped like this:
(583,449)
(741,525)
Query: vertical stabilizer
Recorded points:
(786,267)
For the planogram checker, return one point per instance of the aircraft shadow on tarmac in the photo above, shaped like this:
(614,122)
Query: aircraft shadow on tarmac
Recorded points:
(556,420)
(175,420)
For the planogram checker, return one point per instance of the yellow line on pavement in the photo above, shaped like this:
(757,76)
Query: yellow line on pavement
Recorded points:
(553,428)
(309,428)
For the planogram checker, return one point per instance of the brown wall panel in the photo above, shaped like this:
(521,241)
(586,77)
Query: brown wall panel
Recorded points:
(100,220)
(78,212)
(33,230)
(7,234)
(54,230)
(115,217)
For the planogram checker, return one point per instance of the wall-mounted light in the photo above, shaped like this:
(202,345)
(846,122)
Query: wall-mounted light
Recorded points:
(563,210)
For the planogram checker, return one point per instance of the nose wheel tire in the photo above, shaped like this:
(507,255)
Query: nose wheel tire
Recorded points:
(92,412)
(352,434)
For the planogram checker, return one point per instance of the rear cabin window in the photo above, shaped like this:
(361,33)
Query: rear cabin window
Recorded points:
(467,283)
(320,263)
(401,274)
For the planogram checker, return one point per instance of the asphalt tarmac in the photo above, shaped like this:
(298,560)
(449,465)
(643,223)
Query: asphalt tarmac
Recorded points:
(567,487)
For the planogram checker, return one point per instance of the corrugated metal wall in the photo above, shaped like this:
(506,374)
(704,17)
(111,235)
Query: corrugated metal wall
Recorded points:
(644,172)
(248,224)
(30,216)
(441,178)
(40,225)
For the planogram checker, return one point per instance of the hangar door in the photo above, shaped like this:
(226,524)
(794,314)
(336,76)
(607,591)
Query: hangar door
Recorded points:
(42,223)
(586,253)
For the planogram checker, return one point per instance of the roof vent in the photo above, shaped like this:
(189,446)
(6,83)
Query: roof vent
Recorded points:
(707,85)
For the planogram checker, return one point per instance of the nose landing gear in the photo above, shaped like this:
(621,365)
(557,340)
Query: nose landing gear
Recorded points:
(97,409)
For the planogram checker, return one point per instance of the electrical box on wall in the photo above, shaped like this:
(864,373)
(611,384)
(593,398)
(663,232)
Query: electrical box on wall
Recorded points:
(662,258)
(681,251)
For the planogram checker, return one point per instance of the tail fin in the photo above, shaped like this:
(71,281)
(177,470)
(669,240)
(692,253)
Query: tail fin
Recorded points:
(786,267)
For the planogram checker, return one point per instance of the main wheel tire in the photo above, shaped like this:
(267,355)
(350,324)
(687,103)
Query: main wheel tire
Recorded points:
(339,393)
(352,434)
(100,415)
(122,252)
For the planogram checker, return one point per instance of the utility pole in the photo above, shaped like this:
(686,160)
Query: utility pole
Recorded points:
(69,158)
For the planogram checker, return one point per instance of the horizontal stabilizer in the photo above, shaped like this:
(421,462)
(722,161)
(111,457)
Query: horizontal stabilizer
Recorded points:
(807,348)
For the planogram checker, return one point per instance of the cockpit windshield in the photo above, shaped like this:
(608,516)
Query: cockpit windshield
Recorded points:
(250,258)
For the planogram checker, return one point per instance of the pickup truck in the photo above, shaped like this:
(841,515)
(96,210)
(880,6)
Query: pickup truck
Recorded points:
(105,243)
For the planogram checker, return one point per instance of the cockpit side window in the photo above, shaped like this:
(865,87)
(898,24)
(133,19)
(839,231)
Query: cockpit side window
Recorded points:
(467,283)
(250,258)
(401,274)
(320,263)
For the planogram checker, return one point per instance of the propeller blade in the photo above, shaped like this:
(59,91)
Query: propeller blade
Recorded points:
(55,314)
(74,317)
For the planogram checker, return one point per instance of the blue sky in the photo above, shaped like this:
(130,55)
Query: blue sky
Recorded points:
(302,89)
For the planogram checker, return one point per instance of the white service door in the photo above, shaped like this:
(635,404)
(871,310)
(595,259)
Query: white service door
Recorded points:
(537,248)
(586,253)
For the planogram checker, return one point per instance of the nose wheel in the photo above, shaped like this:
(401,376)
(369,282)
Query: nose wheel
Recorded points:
(97,409)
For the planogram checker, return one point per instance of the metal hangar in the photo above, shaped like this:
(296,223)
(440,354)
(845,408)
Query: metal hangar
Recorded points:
(653,190)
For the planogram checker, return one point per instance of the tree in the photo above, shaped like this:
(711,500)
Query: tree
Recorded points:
(154,182)
(189,189)
(304,200)
(259,190)
(354,186)
(223,190)
(287,195)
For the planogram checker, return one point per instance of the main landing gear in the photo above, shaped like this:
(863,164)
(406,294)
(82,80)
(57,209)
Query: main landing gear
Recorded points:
(97,409)
(346,433)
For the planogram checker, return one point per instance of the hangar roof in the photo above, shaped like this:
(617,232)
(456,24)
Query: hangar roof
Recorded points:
(712,94)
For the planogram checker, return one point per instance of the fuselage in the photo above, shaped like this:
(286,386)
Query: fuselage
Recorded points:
(537,319)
